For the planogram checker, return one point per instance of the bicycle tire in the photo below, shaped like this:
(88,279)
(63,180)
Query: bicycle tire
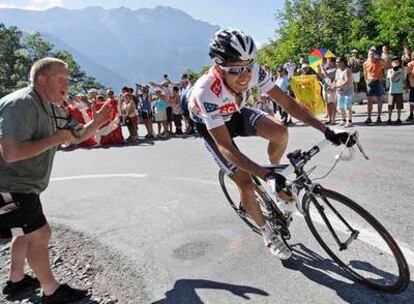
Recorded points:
(403,278)
(236,205)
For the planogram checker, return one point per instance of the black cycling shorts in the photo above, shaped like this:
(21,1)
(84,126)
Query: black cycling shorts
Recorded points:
(242,123)
(28,216)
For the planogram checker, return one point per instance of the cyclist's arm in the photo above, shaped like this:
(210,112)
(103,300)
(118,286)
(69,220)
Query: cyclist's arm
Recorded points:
(295,109)
(226,147)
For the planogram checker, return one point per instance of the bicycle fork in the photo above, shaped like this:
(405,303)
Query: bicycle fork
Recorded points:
(354,233)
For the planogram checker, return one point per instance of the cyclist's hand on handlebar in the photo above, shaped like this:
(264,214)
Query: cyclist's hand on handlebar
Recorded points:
(340,138)
(277,184)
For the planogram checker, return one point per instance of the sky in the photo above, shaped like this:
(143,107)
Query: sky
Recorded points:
(257,18)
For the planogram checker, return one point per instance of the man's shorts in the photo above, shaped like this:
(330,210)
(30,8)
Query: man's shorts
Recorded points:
(356,77)
(345,101)
(329,96)
(25,218)
(411,97)
(395,101)
(169,114)
(375,88)
(242,123)
(145,115)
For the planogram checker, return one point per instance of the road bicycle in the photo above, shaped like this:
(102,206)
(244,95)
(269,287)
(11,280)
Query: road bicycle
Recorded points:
(348,233)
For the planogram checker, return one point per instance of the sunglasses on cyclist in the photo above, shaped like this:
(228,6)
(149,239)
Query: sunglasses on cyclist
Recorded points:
(237,70)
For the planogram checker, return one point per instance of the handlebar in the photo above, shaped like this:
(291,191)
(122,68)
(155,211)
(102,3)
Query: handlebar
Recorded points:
(298,158)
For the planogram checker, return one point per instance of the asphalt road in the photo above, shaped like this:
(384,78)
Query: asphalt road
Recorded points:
(161,207)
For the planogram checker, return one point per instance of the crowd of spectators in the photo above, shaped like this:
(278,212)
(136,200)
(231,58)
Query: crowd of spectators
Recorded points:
(381,77)
(164,104)
(378,78)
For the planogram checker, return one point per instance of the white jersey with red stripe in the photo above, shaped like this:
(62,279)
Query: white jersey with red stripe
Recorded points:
(210,101)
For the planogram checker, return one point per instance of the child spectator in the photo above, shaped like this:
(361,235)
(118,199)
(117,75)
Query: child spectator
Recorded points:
(396,78)
(160,113)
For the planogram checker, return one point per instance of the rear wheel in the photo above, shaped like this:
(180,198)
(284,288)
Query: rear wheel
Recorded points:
(366,250)
(231,192)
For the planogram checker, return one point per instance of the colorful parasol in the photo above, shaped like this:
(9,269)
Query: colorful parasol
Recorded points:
(315,58)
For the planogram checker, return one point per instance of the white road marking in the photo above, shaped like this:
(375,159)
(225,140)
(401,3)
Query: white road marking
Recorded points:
(194,180)
(133,175)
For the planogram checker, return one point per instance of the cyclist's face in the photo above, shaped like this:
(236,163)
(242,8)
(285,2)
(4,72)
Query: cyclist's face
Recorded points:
(238,82)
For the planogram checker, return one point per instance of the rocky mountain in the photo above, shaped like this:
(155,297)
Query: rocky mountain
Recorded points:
(122,46)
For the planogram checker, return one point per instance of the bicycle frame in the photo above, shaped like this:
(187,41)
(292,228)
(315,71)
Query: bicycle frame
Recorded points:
(303,184)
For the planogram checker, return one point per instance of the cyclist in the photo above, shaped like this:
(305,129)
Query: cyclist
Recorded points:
(217,106)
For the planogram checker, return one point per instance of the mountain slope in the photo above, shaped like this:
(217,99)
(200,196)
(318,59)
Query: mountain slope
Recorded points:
(121,46)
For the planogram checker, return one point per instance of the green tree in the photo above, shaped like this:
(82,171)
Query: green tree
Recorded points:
(339,25)
(18,54)
(36,47)
(10,58)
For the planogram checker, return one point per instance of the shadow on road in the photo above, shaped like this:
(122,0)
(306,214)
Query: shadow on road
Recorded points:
(325,272)
(184,291)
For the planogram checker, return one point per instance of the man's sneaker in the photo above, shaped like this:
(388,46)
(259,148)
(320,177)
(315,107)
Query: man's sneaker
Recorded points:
(276,246)
(398,121)
(26,283)
(64,294)
(410,117)
(378,120)
(389,121)
(368,121)
(342,123)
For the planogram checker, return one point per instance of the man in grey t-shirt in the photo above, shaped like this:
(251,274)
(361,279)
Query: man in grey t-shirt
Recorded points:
(31,127)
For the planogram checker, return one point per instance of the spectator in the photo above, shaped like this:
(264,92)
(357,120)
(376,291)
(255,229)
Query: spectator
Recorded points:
(386,57)
(92,93)
(410,72)
(176,110)
(111,132)
(373,74)
(265,104)
(186,87)
(166,82)
(328,73)
(396,77)
(82,113)
(164,87)
(160,111)
(28,142)
(290,67)
(406,56)
(144,107)
(282,81)
(343,84)
(355,65)
(305,69)
(129,111)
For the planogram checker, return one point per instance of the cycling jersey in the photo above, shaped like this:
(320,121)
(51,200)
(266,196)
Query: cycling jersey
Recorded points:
(213,104)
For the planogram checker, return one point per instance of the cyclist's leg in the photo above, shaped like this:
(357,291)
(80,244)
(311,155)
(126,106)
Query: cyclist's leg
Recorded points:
(242,179)
(277,134)
(258,123)
(247,196)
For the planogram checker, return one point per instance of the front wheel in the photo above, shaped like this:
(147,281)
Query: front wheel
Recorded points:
(355,240)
